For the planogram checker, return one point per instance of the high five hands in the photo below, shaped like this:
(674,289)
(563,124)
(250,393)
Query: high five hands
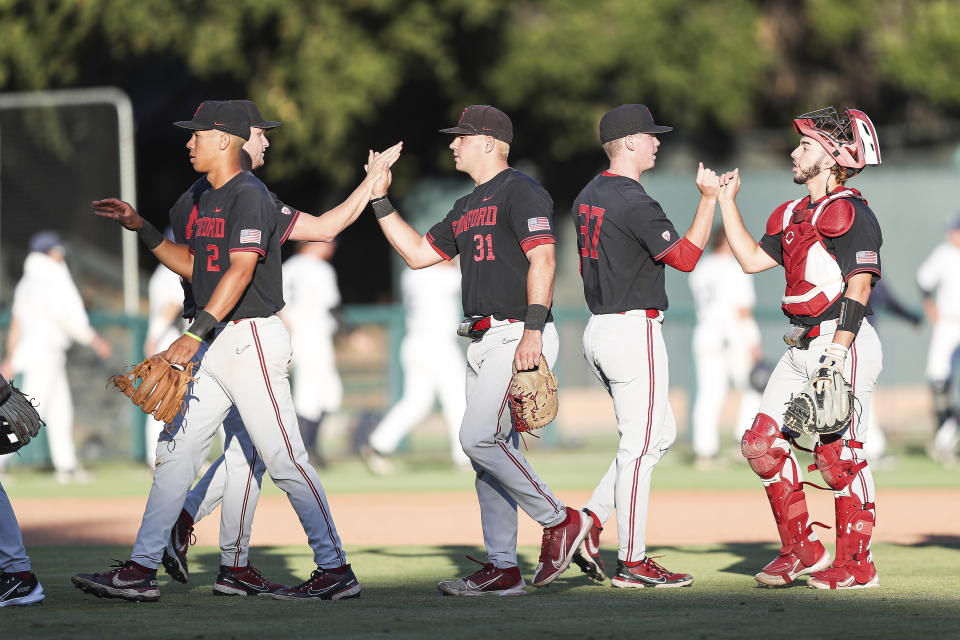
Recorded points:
(729,185)
(378,168)
(723,187)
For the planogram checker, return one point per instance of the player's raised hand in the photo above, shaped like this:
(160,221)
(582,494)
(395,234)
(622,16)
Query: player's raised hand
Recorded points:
(380,161)
(707,182)
(730,185)
(119,211)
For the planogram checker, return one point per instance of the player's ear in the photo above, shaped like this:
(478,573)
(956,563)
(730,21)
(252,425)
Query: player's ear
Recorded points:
(630,142)
(489,144)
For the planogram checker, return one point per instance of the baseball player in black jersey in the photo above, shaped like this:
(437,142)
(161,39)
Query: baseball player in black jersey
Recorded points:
(503,233)
(625,240)
(233,262)
(828,243)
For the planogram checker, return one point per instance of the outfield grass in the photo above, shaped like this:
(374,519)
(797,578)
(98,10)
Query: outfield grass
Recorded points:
(918,597)
(429,469)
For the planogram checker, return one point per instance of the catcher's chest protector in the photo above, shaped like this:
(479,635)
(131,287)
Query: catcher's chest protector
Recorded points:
(814,279)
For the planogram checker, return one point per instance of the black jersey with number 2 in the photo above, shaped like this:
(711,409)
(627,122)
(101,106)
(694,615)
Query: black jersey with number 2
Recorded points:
(183,221)
(492,228)
(622,233)
(240,216)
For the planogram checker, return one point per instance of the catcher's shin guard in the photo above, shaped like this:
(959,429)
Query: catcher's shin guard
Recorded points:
(801,552)
(853,567)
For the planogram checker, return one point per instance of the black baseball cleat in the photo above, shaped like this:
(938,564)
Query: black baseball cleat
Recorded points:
(324,584)
(19,591)
(175,554)
(588,557)
(248,582)
(648,574)
(126,581)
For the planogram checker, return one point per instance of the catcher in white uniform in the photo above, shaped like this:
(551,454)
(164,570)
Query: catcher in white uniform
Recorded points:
(937,278)
(311,294)
(726,345)
(433,364)
(829,245)
(47,316)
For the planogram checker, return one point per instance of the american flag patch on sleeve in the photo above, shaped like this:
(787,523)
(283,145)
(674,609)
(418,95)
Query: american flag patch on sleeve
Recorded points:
(250,236)
(866,257)
(538,224)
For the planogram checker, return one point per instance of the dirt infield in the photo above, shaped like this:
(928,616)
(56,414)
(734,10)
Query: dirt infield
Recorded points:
(676,518)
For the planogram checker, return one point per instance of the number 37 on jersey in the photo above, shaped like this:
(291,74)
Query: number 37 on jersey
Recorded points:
(590,219)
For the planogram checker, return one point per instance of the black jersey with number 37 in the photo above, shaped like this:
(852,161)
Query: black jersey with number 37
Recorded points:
(622,233)
(492,228)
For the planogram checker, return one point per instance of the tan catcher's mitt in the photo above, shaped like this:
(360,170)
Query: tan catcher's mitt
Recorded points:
(19,420)
(533,397)
(161,387)
(823,405)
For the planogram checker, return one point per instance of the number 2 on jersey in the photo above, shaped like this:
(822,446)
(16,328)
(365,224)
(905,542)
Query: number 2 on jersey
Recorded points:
(588,215)
(213,253)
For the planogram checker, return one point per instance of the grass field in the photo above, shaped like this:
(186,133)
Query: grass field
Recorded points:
(919,594)
(918,598)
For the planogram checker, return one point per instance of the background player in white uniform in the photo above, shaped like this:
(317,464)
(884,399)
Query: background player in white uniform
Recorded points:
(828,243)
(883,300)
(311,293)
(165,296)
(47,316)
(234,264)
(503,231)
(726,346)
(18,584)
(938,280)
(624,241)
(433,364)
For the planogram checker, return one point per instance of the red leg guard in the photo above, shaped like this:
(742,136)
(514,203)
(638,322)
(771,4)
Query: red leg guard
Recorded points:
(837,473)
(853,567)
(757,447)
(800,552)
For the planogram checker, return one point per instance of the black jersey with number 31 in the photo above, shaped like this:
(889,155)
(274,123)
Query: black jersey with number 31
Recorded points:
(492,228)
(621,234)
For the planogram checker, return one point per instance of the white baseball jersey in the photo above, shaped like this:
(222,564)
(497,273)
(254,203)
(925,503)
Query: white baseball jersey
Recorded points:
(725,346)
(939,274)
(51,314)
(720,288)
(433,363)
(310,292)
(163,290)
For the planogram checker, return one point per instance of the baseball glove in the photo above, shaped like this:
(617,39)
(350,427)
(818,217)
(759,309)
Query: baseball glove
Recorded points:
(19,420)
(824,405)
(533,397)
(161,387)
